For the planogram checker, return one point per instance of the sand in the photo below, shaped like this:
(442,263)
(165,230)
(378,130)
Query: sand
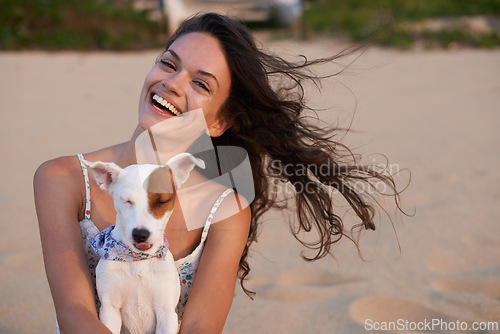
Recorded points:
(434,112)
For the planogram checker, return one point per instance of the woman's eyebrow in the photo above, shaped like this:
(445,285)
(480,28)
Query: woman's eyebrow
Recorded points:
(210,75)
(175,55)
(201,72)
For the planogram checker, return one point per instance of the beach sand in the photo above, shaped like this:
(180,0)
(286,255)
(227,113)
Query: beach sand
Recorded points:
(433,112)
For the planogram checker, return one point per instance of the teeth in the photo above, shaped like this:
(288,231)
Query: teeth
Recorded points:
(167,105)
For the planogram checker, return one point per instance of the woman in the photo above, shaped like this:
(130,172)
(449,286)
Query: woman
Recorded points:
(210,63)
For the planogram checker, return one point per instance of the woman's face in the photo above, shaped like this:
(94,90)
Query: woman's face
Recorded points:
(192,74)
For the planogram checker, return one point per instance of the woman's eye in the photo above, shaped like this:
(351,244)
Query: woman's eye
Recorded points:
(168,64)
(202,85)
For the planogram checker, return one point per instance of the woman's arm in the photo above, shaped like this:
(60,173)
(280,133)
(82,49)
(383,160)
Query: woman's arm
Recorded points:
(213,289)
(59,190)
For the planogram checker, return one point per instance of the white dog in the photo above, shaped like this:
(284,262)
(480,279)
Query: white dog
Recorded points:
(137,281)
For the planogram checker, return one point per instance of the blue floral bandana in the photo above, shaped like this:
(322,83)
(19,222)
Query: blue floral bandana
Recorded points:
(108,248)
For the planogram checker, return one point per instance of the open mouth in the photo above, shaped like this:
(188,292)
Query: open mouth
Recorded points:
(143,246)
(163,105)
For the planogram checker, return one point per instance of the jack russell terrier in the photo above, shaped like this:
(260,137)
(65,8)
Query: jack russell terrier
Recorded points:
(137,281)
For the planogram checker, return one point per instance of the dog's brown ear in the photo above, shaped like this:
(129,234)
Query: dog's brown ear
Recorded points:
(181,166)
(105,173)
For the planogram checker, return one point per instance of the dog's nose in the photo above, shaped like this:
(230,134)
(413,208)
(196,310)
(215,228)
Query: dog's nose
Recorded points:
(140,234)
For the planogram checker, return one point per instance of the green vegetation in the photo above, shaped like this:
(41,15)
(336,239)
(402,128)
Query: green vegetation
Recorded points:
(76,25)
(396,22)
(97,24)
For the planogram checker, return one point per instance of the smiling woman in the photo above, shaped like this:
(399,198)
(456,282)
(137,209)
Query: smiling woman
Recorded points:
(210,67)
(191,74)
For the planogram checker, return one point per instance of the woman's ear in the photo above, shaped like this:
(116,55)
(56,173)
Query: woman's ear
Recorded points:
(218,128)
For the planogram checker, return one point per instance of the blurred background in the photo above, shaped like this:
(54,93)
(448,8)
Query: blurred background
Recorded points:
(143,24)
(426,94)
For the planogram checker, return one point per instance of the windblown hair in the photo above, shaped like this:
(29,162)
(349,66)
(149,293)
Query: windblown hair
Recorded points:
(268,121)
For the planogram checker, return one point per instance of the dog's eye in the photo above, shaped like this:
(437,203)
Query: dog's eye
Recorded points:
(161,203)
(127,201)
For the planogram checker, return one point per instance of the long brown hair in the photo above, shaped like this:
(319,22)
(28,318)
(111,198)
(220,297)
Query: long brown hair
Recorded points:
(268,121)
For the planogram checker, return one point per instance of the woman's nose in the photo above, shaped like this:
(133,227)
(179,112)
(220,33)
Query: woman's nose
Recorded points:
(175,83)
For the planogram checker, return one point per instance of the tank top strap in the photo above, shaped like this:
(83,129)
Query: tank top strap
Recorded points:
(212,213)
(87,185)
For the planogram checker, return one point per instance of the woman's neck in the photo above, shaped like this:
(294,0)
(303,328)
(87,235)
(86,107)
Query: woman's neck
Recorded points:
(155,146)
(124,153)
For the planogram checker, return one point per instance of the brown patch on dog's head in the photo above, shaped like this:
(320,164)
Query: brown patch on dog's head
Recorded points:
(161,192)
(159,204)
(160,181)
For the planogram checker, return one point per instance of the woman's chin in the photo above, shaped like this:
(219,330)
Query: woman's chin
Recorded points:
(148,120)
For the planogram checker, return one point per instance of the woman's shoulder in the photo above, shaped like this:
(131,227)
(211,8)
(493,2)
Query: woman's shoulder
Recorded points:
(58,184)
(63,171)
(58,166)
(65,166)
(232,207)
